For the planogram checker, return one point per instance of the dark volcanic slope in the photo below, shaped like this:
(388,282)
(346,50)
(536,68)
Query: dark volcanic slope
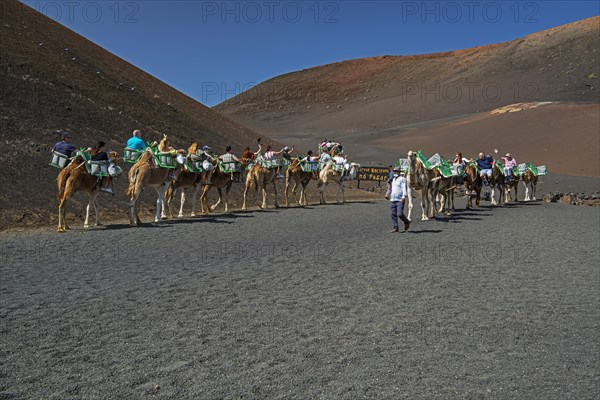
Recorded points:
(560,64)
(52,78)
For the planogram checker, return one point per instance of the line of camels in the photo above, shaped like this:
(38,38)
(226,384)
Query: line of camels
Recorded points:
(432,187)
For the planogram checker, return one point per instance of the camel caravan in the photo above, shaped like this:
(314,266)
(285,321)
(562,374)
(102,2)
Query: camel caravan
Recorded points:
(435,180)
(193,173)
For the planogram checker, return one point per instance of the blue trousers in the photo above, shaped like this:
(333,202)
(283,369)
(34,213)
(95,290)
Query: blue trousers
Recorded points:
(397,211)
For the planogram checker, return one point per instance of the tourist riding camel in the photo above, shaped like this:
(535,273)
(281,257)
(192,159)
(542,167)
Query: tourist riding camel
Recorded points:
(146,173)
(186,180)
(331,173)
(219,180)
(260,177)
(76,178)
(509,164)
(485,164)
(473,184)
(301,177)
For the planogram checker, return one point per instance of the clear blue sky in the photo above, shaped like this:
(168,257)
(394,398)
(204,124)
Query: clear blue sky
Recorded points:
(212,50)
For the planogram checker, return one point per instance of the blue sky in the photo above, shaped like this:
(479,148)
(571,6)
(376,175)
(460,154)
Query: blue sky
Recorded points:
(212,50)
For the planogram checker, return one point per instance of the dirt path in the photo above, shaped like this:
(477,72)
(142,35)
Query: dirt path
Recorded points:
(320,302)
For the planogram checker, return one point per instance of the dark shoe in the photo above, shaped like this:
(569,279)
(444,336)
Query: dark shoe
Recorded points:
(406,226)
(395,230)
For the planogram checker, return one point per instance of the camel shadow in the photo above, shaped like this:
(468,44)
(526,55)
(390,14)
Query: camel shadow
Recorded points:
(424,231)
(183,221)
(457,218)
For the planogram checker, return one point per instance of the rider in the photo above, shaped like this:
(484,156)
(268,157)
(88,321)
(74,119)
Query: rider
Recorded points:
(99,155)
(135,142)
(64,146)
(485,163)
(207,163)
(509,164)
(228,157)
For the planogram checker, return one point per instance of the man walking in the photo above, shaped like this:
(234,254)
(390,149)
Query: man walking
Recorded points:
(397,199)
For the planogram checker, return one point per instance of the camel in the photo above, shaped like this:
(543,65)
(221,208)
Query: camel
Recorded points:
(330,174)
(473,184)
(420,179)
(73,178)
(145,173)
(498,182)
(301,178)
(185,180)
(529,180)
(259,176)
(443,190)
(220,180)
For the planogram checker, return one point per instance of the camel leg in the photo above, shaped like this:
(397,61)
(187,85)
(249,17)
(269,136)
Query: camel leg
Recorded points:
(275,191)
(96,208)
(195,189)
(303,200)
(424,205)
(321,187)
(493,195)
(134,220)
(264,197)
(214,206)
(533,189)
(62,212)
(159,203)
(180,215)
(245,194)
(343,194)
(226,197)
(61,215)
(87,213)
(287,188)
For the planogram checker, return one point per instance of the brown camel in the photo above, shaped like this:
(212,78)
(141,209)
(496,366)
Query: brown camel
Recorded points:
(334,174)
(301,178)
(145,173)
(186,180)
(530,181)
(498,182)
(473,184)
(443,190)
(219,180)
(420,179)
(75,178)
(260,177)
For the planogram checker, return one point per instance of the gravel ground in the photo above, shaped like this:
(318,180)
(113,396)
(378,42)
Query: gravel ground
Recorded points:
(320,302)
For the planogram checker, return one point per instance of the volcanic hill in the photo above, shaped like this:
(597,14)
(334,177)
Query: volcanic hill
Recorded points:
(365,102)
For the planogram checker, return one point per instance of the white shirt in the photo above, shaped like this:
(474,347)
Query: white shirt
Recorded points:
(399,188)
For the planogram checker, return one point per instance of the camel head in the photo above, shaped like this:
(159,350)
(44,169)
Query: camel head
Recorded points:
(193,148)
(164,143)
(114,156)
(354,168)
(412,161)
